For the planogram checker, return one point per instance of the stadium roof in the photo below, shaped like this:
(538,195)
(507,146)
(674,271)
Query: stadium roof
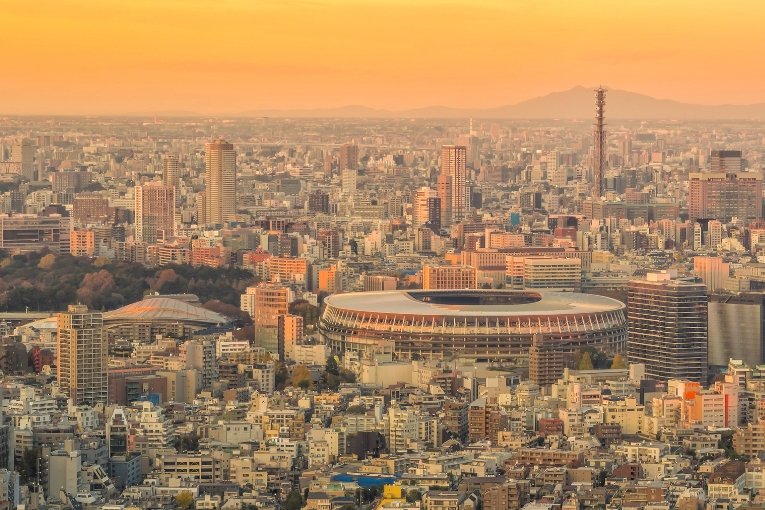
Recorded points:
(470,302)
(163,308)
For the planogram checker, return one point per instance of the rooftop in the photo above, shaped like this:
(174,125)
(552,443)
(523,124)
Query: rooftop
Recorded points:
(473,302)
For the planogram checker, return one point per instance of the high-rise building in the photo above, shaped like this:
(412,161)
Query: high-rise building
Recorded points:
(426,208)
(90,208)
(349,180)
(82,355)
(220,183)
(726,161)
(599,159)
(453,165)
(724,195)
(290,332)
(171,171)
(448,277)
(154,212)
(444,187)
(265,303)
(348,157)
(713,271)
(23,152)
(667,319)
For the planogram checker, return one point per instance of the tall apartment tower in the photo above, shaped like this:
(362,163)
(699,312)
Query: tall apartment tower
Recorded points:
(23,152)
(154,212)
(349,180)
(171,171)
(667,320)
(82,355)
(452,183)
(423,202)
(727,161)
(348,157)
(220,185)
(599,144)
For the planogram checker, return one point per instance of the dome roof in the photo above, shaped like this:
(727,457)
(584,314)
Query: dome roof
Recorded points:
(168,309)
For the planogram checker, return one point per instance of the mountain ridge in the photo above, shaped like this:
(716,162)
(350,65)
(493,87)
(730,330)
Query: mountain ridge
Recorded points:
(576,103)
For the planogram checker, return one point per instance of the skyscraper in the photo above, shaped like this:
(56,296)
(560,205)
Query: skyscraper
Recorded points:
(82,355)
(23,153)
(454,191)
(349,178)
(171,170)
(423,202)
(667,319)
(220,177)
(599,144)
(348,157)
(154,212)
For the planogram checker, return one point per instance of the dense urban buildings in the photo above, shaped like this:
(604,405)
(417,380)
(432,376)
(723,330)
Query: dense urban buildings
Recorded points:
(444,304)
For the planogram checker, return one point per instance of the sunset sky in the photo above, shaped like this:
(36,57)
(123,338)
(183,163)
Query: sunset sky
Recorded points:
(224,56)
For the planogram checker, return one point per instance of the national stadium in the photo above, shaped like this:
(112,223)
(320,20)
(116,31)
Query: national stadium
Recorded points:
(485,325)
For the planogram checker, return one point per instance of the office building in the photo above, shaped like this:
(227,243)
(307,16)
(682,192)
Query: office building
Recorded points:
(448,277)
(220,183)
(737,328)
(712,271)
(667,319)
(171,171)
(724,195)
(454,191)
(154,212)
(726,161)
(24,233)
(90,208)
(349,178)
(23,153)
(348,157)
(376,283)
(82,355)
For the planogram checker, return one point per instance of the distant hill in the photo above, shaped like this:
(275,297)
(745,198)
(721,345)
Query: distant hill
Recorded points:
(575,103)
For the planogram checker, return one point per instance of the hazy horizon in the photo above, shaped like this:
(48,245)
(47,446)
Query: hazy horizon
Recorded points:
(89,58)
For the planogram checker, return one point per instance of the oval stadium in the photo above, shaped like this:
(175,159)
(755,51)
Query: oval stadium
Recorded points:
(490,325)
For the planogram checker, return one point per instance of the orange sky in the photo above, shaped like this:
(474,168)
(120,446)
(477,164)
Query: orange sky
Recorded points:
(220,56)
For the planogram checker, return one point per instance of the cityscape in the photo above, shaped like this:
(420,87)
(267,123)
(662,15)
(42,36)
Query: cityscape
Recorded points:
(314,295)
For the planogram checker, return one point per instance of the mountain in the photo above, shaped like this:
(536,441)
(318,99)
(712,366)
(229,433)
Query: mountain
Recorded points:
(574,103)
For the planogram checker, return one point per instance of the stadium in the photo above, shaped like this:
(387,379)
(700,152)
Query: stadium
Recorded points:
(485,325)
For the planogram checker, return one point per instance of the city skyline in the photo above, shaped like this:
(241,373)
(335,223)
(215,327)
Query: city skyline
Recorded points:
(170,55)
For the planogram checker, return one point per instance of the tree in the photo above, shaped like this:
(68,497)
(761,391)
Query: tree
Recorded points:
(413,496)
(301,375)
(585,363)
(229,311)
(618,362)
(47,261)
(294,500)
(184,499)
(96,288)
(356,410)
(331,366)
